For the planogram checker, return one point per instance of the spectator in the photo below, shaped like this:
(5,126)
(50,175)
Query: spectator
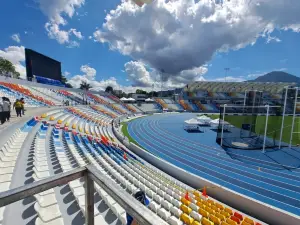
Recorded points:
(6,108)
(23,103)
(18,106)
(2,118)
(141,197)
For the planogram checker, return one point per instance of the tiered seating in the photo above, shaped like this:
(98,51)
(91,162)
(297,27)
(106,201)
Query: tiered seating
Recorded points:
(185,105)
(13,95)
(26,92)
(149,107)
(8,158)
(162,103)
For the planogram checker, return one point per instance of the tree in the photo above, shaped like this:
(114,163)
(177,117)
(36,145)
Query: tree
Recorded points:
(85,86)
(139,91)
(109,89)
(64,80)
(7,67)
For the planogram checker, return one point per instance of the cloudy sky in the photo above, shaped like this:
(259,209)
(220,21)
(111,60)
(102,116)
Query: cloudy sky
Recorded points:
(117,43)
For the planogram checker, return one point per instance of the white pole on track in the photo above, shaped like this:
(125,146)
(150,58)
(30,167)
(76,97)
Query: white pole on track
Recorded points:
(266,128)
(293,121)
(223,125)
(283,115)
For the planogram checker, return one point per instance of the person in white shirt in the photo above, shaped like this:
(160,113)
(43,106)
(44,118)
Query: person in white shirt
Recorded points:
(2,118)
(6,108)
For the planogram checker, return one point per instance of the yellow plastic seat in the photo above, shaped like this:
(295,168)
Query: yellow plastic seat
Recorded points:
(186,209)
(186,219)
(44,115)
(226,214)
(229,211)
(248,220)
(210,210)
(197,193)
(220,216)
(203,213)
(185,201)
(245,223)
(74,126)
(205,221)
(52,118)
(198,199)
(196,223)
(215,219)
(59,121)
(231,222)
(80,129)
(220,206)
(211,201)
(201,205)
(66,124)
(224,223)
(215,208)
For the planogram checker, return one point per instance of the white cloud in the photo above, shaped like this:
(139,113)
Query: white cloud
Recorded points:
(181,35)
(66,73)
(16,55)
(56,11)
(89,72)
(16,38)
(76,33)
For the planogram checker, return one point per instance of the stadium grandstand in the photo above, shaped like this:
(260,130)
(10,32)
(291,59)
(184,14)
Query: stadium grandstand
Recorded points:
(81,157)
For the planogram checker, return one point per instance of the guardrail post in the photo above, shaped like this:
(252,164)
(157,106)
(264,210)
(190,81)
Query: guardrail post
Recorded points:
(89,200)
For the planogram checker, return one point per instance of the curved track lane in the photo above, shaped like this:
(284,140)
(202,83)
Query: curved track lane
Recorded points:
(274,184)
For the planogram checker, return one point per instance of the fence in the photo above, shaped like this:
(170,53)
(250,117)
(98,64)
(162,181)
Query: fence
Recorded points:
(91,175)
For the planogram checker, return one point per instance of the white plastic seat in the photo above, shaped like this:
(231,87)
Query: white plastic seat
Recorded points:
(169,198)
(7,170)
(157,198)
(164,214)
(174,221)
(176,203)
(196,215)
(58,221)
(194,207)
(175,211)
(46,200)
(49,213)
(154,206)
(167,205)
(4,186)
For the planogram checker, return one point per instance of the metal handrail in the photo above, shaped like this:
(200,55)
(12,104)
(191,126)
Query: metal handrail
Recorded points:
(141,214)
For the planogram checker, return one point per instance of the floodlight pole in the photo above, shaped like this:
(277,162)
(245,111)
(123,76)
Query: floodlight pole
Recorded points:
(283,115)
(293,121)
(245,98)
(266,128)
(223,124)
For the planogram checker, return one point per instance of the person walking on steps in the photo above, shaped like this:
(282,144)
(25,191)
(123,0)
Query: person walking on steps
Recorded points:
(18,106)
(6,108)
(23,103)
(2,117)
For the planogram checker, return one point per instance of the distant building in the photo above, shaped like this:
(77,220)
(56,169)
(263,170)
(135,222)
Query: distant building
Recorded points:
(139,97)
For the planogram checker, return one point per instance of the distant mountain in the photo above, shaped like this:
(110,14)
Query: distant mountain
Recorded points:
(278,76)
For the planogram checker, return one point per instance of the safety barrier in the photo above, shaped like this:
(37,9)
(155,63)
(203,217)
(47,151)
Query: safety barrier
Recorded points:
(141,214)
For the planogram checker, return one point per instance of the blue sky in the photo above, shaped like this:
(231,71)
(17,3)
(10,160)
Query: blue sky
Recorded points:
(27,19)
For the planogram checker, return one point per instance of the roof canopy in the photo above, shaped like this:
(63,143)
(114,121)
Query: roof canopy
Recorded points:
(192,121)
(149,100)
(123,99)
(270,87)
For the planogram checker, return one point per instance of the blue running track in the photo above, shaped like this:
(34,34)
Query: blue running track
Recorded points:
(277,183)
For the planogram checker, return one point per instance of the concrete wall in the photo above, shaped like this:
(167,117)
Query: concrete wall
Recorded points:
(261,211)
